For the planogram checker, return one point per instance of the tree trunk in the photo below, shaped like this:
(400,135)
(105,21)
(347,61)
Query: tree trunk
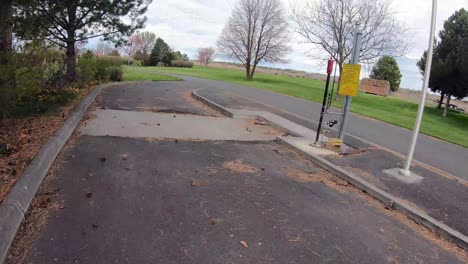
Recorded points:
(447,105)
(5,30)
(253,71)
(247,72)
(340,67)
(71,41)
(71,61)
(7,68)
(441,100)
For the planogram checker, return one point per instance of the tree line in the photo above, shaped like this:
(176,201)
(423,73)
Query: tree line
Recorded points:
(259,31)
(449,72)
(153,51)
(45,35)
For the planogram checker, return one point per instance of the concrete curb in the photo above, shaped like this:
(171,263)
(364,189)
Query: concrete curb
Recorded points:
(387,199)
(16,204)
(211,104)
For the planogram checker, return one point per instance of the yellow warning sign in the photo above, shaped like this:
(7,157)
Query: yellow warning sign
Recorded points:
(349,83)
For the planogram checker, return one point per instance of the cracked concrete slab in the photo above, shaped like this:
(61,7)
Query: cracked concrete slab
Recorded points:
(180,126)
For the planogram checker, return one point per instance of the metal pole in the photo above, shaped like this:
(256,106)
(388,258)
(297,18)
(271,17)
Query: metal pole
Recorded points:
(347,99)
(427,73)
(324,104)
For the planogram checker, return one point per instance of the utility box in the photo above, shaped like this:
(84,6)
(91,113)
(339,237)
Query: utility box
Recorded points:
(376,87)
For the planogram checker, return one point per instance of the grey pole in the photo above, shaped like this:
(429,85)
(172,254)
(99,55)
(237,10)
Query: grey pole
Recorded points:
(427,73)
(354,60)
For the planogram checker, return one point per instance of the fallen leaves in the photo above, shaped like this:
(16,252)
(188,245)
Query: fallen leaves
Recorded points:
(238,166)
(196,183)
(260,123)
(21,139)
(244,244)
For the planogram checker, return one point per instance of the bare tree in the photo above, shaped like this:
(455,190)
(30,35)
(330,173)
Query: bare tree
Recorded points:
(256,31)
(132,46)
(206,55)
(146,42)
(103,48)
(329,25)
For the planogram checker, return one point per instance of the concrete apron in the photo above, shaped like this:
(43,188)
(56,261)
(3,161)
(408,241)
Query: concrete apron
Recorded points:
(176,126)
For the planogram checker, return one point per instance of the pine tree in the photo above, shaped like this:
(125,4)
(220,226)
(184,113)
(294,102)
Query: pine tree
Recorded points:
(449,71)
(66,23)
(160,53)
(387,69)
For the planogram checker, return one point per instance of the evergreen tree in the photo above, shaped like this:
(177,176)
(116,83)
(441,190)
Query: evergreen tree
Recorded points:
(449,71)
(387,69)
(66,23)
(160,53)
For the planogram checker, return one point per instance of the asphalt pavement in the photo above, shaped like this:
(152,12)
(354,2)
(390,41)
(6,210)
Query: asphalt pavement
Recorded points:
(439,154)
(126,199)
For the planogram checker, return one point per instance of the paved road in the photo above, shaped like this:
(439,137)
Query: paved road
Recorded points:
(445,156)
(160,200)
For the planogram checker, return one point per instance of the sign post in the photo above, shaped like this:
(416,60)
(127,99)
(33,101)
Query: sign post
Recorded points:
(324,103)
(349,79)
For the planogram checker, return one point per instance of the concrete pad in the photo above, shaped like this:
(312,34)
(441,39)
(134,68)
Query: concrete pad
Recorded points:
(304,145)
(156,125)
(411,179)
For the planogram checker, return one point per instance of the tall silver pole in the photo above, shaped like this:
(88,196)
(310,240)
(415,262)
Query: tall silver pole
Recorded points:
(427,73)
(348,99)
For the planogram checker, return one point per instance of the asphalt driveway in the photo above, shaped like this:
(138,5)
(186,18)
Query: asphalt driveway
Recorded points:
(127,199)
(442,155)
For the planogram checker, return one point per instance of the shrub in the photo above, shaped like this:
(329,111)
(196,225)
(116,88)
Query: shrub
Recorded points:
(86,67)
(127,60)
(137,63)
(8,88)
(181,63)
(115,73)
(39,73)
(28,84)
(101,72)
(102,65)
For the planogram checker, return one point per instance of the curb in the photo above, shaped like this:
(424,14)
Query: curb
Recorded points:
(211,104)
(387,199)
(17,202)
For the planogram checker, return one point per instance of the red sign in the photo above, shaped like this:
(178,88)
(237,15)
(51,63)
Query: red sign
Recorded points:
(330,66)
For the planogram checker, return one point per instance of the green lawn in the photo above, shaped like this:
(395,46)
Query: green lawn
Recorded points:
(134,74)
(454,128)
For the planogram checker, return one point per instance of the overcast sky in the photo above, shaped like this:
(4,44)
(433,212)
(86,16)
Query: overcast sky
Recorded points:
(187,25)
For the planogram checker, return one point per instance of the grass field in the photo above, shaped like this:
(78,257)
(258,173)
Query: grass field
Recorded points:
(133,74)
(453,128)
